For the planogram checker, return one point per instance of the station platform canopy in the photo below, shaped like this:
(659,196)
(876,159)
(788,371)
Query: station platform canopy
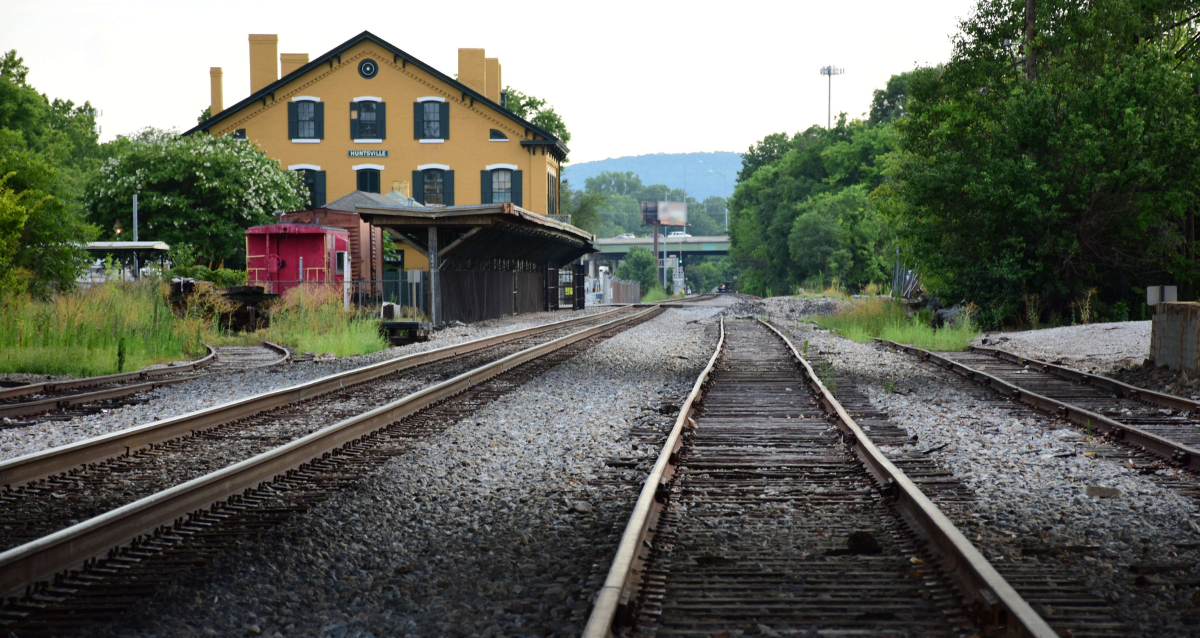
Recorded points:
(119,246)
(484,236)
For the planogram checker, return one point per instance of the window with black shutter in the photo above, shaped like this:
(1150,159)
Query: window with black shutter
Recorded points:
(367,120)
(315,182)
(306,120)
(431,120)
(500,185)
(435,186)
(368,180)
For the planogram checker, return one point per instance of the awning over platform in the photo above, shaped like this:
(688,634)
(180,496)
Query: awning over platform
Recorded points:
(117,246)
(483,237)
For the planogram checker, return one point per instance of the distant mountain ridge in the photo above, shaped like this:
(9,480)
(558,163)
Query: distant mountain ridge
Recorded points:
(669,169)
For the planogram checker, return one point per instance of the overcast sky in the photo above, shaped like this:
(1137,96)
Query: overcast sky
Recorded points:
(628,77)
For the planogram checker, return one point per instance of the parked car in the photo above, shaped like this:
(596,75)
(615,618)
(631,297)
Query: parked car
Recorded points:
(679,234)
(624,236)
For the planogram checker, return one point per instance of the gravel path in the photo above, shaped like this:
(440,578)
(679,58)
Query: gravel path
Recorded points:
(1097,347)
(1031,477)
(492,529)
(206,392)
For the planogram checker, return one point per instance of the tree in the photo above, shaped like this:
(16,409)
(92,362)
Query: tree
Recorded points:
(199,190)
(535,111)
(609,183)
(1076,171)
(13,213)
(583,207)
(766,151)
(840,234)
(764,208)
(889,102)
(49,253)
(639,265)
(204,115)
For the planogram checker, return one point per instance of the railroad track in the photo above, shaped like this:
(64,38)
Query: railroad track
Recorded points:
(1160,424)
(760,517)
(158,534)
(65,400)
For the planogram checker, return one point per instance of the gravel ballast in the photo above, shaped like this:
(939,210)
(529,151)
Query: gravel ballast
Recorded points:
(1096,347)
(1035,483)
(490,529)
(207,392)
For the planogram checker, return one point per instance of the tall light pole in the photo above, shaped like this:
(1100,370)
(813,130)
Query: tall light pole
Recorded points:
(831,71)
(724,189)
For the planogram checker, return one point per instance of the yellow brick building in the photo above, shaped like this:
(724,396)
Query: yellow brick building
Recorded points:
(368,116)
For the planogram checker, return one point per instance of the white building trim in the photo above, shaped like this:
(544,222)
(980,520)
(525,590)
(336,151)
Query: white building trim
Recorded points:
(368,98)
(368,141)
(358,167)
(444,167)
(431,99)
(511,167)
(434,141)
(301,167)
(306,140)
(503,140)
(306,98)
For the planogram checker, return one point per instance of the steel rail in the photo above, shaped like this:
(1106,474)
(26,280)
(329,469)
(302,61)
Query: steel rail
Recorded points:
(70,547)
(1119,388)
(624,576)
(985,589)
(57,386)
(1183,455)
(57,460)
(28,408)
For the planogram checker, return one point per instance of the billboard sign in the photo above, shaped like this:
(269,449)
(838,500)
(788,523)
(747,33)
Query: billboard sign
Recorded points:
(664,213)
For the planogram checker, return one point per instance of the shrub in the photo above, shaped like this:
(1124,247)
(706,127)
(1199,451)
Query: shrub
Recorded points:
(311,319)
(869,318)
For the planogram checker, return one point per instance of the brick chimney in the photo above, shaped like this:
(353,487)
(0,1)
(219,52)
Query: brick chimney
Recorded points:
(472,69)
(264,53)
(217,90)
(494,85)
(289,62)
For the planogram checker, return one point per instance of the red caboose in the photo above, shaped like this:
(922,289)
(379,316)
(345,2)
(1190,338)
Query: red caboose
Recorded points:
(280,256)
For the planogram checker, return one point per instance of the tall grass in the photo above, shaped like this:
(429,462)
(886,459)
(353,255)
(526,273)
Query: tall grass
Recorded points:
(868,318)
(655,294)
(81,333)
(311,319)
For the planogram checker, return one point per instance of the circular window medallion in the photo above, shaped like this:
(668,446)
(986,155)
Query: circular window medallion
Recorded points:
(368,68)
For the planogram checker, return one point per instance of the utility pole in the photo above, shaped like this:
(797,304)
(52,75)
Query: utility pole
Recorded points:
(832,71)
(137,269)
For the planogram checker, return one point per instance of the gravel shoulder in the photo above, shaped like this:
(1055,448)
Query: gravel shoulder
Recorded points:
(207,392)
(1096,348)
(490,529)
(1031,478)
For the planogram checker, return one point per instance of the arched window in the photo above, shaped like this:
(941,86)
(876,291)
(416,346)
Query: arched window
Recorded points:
(501,183)
(433,185)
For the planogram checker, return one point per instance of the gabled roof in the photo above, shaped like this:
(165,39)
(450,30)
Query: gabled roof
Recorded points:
(347,203)
(559,148)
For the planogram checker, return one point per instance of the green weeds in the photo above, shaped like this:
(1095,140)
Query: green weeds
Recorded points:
(886,319)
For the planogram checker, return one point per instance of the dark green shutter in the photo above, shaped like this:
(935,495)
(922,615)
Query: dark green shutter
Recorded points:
(517,183)
(418,121)
(485,187)
(448,187)
(293,121)
(418,185)
(319,111)
(376,177)
(445,111)
(381,120)
(318,189)
(354,121)
(361,184)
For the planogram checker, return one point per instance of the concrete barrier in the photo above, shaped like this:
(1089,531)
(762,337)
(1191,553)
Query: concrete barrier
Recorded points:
(1173,335)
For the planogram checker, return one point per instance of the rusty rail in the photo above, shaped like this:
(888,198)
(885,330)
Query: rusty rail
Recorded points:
(1183,455)
(60,459)
(624,576)
(57,386)
(70,547)
(1119,388)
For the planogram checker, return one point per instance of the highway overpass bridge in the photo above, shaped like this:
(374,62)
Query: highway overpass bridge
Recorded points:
(615,249)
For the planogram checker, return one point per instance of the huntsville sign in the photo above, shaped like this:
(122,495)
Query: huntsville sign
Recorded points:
(361,153)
